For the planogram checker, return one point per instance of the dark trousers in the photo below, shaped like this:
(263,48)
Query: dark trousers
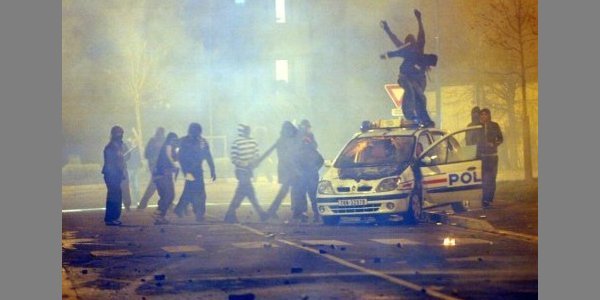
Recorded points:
(307,186)
(125,194)
(311,190)
(150,189)
(414,102)
(298,197)
(490,170)
(244,189)
(194,193)
(408,98)
(113,198)
(283,190)
(166,192)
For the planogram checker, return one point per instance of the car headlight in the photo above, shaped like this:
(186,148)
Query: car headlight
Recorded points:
(325,187)
(388,184)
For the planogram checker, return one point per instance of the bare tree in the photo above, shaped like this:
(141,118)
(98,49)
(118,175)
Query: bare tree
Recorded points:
(511,27)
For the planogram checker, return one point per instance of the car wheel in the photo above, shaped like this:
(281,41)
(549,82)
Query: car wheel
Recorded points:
(331,220)
(459,206)
(415,208)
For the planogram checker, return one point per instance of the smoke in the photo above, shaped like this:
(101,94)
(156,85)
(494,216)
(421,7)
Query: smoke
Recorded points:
(213,62)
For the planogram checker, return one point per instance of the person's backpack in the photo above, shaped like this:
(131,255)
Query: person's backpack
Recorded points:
(429,60)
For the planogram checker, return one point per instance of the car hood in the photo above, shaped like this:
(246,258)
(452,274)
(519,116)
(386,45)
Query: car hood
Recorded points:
(371,173)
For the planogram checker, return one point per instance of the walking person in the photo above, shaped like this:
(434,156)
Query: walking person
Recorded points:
(412,75)
(193,151)
(244,156)
(115,172)
(288,169)
(487,149)
(163,177)
(151,154)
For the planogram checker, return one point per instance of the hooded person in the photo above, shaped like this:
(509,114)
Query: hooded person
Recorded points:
(244,156)
(193,151)
(487,150)
(115,172)
(310,163)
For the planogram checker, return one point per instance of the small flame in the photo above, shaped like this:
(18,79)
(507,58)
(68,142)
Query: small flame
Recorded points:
(449,242)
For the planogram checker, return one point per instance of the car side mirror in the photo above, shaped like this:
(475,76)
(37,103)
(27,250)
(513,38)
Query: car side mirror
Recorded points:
(328,163)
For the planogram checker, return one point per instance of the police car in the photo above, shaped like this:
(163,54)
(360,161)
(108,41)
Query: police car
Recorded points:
(393,168)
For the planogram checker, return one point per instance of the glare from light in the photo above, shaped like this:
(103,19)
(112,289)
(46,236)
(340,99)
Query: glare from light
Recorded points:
(449,242)
(280,11)
(281,70)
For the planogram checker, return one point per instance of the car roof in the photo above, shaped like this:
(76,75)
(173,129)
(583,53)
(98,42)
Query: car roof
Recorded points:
(395,131)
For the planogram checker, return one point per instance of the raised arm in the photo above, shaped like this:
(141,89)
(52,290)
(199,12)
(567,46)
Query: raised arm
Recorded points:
(421,34)
(397,42)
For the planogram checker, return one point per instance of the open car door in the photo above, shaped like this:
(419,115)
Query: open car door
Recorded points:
(450,171)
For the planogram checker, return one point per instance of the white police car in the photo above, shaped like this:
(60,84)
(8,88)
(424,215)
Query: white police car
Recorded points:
(390,168)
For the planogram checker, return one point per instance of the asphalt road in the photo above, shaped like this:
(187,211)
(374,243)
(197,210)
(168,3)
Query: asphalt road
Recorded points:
(446,258)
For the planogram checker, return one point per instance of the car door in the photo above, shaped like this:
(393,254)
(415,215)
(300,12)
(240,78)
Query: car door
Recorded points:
(450,170)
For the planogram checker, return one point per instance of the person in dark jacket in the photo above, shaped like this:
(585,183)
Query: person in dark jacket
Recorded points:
(244,156)
(487,150)
(163,177)
(288,169)
(471,137)
(115,172)
(310,162)
(151,154)
(193,150)
(412,77)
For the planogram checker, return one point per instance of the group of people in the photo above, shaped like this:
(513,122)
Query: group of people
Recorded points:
(413,79)
(298,165)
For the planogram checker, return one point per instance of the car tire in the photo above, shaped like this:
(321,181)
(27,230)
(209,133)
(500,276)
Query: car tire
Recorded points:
(415,207)
(331,221)
(458,207)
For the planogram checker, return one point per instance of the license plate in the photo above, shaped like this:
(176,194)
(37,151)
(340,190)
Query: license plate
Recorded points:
(352,202)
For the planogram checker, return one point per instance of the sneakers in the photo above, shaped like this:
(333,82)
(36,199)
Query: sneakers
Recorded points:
(231,219)
(161,221)
(263,216)
(429,124)
(113,223)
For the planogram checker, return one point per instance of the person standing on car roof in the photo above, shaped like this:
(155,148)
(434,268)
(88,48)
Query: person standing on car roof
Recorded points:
(412,77)
(288,169)
(163,177)
(151,154)
(244,156)
(115,172)
(487,150)
(193,151)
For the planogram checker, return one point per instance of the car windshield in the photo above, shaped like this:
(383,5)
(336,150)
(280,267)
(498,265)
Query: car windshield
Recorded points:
(376,151)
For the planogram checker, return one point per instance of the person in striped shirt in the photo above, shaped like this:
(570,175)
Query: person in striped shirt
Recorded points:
(244,156)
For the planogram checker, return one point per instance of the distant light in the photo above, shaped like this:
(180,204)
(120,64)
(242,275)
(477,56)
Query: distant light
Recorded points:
(449,242)
(281,70)
(240,1)
(279,11)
